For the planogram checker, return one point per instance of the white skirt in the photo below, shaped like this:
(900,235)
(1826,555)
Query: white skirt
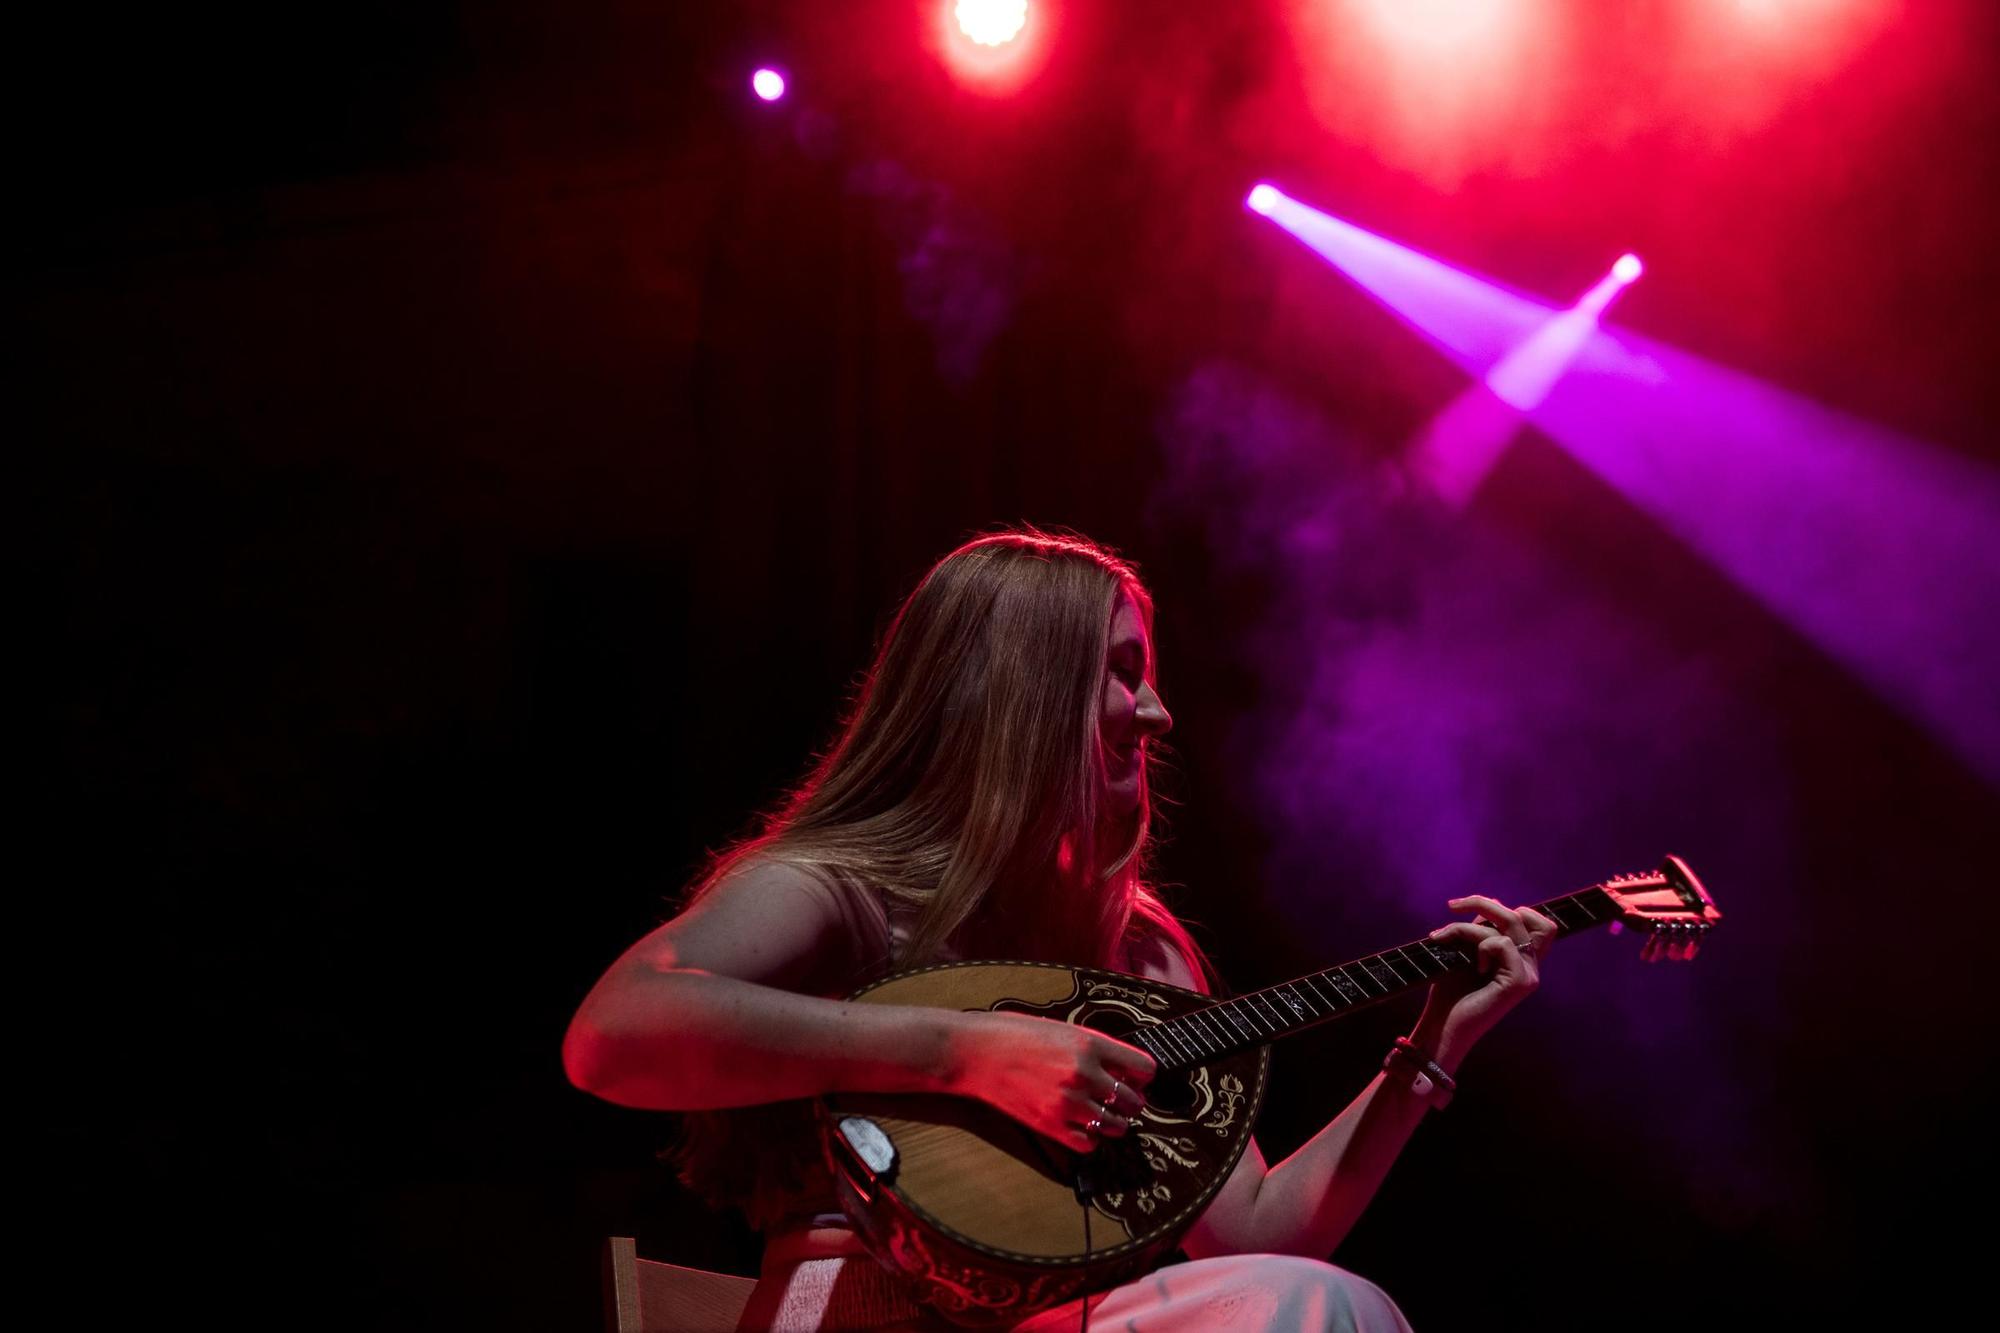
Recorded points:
(821,1279)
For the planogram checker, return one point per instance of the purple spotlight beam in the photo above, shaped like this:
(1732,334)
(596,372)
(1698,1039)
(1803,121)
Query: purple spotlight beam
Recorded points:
(1523,378)
(1876,547)
(1462,444)
(1472,320)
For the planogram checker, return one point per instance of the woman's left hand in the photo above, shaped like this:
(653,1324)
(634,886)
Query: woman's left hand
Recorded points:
(1510,945)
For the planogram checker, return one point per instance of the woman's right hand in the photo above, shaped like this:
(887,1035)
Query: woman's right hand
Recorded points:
(1055,1078)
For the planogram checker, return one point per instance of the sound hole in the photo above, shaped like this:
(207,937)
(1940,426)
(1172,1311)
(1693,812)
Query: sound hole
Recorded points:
(1173,1093)
(1110,1022)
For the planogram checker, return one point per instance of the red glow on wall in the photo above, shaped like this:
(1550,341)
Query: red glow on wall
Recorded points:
(1439,25)
(1450,89)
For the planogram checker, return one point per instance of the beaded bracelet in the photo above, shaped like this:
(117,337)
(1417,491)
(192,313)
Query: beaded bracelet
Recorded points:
(1431,1081)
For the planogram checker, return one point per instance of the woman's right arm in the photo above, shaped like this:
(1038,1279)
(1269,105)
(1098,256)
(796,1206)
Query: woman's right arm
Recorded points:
(699,1014)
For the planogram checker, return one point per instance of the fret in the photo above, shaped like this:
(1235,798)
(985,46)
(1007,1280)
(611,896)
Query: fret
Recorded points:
(1327,997)
(1277,1019)
(1191,1024)
(1416,958)
(1204,1046)
(1583,904)
(1200,1018)
(1304,1011)
(1368,967)
(1350,994)
(1172,1032)
(1570,909)
(1245,1021)
(1143,1039)
(1246,1018)
(1218,1015)
(1199,1033)
(1449,956)
(1177,1052)
(1389,965)
(1345,973)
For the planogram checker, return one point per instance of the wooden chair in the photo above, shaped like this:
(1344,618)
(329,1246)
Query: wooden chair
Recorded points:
(642,1296)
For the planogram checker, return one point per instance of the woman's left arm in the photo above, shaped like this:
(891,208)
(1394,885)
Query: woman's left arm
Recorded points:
(1306,1204)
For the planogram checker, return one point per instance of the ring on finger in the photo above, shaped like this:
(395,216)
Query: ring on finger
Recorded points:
(1111,1102)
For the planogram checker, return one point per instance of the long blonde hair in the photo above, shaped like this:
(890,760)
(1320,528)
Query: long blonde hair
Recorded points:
(966,782)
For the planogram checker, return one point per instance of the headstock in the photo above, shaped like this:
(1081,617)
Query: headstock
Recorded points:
(1669,905)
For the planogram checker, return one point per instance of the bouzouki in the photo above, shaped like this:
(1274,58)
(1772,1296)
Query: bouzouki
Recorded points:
(989,1221)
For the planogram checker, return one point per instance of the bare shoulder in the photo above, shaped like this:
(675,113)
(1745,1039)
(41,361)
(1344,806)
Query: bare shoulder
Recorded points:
(770,881)
(1155,956)
(766,920)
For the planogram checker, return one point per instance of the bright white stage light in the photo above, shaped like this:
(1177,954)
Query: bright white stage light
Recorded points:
(991,22)
(1628,268)
(768,84)
(1440,25)
(1263,198)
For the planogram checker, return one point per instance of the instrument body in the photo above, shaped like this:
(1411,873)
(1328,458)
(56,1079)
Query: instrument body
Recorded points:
(981,1213)
(989,1222)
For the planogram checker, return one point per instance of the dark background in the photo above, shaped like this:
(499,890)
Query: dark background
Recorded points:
(472,450)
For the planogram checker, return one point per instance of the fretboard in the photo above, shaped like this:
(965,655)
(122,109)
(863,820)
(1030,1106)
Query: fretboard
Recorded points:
(1293,1006)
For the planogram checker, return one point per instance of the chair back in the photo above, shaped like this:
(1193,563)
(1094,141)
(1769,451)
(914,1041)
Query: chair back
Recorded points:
(643,1296)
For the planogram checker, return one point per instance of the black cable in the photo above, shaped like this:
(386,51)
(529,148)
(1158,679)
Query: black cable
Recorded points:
(1086,1259)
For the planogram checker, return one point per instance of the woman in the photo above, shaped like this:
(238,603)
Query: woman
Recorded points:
(987,798)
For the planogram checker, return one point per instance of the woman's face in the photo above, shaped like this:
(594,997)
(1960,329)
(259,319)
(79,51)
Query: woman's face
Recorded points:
(1132,713)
